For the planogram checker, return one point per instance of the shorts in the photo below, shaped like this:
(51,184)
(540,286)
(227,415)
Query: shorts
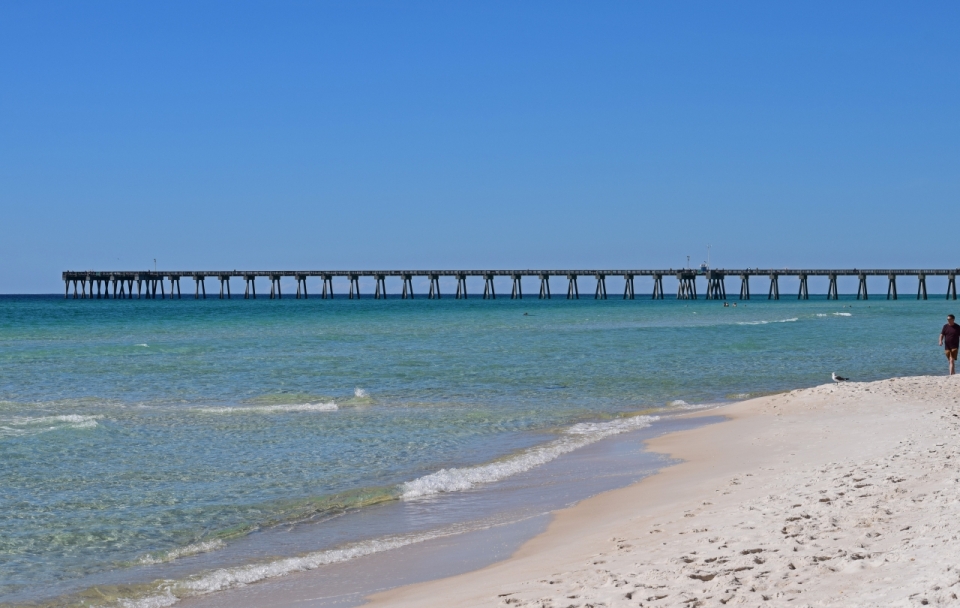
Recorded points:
(951,353)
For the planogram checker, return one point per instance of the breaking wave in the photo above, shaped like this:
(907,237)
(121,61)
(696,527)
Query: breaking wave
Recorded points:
(194,549)
(465,478)
(791,320)
(271,409)
(32,425)
(168,592)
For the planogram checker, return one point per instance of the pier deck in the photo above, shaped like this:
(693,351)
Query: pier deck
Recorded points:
(119,284)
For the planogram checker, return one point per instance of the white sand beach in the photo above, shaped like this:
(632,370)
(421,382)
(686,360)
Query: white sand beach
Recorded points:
(838,495)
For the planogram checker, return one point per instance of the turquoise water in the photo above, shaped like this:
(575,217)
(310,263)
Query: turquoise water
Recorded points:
(145,431)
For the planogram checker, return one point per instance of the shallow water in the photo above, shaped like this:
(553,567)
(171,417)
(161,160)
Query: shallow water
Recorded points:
(142,432)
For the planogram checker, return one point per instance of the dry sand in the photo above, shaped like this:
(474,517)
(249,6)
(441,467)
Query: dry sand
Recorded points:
(838,495)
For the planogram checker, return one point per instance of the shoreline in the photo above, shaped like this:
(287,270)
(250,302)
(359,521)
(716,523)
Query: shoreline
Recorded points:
(500,516)
(833,495)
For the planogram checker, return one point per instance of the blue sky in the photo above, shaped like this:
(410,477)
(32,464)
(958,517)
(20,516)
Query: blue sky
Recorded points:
(475,135)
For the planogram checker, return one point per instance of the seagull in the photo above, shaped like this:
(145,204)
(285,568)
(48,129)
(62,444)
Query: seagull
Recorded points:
(837,378)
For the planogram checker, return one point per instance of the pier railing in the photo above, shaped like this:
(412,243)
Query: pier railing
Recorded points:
(119,284)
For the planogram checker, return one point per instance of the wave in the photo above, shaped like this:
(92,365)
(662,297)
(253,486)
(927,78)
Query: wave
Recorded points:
(359,393)
(270,409)
(194,549)
(167,592)
(843,314)
(465,478)
(32,425)
(791,320)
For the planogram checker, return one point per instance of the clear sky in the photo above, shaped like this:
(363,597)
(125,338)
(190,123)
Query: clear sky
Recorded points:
(476,135)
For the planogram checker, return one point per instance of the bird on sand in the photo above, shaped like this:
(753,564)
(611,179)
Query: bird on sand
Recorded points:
(837,378)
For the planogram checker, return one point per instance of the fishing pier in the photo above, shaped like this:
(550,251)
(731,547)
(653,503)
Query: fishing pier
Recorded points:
(88,284)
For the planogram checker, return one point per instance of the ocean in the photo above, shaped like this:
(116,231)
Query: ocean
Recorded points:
(156,449)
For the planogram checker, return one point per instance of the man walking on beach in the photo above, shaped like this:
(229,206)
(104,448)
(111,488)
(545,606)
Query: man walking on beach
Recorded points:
(950,341)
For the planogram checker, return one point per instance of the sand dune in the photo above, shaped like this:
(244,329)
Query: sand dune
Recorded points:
(839,495)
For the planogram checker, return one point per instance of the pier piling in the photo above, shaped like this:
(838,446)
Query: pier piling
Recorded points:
(657,287)
(573,293)
(774,293)
(516,293)
(544,286)
(601,291)
(488,291)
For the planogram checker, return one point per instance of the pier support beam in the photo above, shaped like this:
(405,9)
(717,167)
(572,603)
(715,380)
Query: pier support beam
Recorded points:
(687,286)
(275,287)
(774,293)
(175,286)
(544,286)
(249,287)
(407,287)
(628,287)
(716,288)
(922,287)
(327,287)
(488,290)
(434,287)
(516,293)
(354,286)
(862,288)
(951,286)
(601,291)
(461,287)
(657,287)
(199,282)
(892,287)
(744,287)
(301,285)
(832,293)
(573,293)
(804,293)
(380,290)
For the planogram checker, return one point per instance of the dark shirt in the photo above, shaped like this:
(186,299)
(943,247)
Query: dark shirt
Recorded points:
(951,336)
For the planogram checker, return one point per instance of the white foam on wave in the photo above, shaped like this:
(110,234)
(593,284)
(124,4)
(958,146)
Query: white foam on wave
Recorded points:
(677,402)
(194,549)
(31,425)
(791,320)
(145,345)
(271,409)
(359,393)
(170,592)
(465,478)
(843,314)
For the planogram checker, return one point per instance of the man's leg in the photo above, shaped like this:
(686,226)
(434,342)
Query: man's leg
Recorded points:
(952,360)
